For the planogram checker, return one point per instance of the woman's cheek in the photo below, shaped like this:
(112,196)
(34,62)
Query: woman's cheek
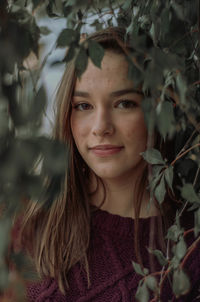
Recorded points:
(80,130)
(136,132)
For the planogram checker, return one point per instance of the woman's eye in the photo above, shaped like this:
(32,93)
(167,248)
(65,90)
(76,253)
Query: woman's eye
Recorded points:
(127,104)
(82,106)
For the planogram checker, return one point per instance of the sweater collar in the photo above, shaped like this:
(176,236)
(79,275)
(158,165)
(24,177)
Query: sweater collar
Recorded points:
(122,226)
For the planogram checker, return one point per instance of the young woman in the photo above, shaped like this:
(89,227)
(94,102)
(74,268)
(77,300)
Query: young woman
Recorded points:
(83,244)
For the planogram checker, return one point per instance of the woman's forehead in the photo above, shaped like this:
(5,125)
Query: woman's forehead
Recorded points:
(113,71)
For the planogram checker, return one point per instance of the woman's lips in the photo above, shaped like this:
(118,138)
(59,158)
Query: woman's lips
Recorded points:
(106,150)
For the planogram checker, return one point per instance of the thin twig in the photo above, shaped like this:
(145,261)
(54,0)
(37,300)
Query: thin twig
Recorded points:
(196,176)
(187,142)
(197,82)
(184,153)
(188,232)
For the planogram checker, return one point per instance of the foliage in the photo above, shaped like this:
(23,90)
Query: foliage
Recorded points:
(165,38)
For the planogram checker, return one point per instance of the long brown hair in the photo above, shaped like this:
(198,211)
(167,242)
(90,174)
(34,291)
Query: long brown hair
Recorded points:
(60,233)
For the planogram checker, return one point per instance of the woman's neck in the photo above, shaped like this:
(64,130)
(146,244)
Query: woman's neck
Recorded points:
(119,198)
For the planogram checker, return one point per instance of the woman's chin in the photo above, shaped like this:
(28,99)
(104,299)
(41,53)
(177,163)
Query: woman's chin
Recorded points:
(110,174)
(106,174)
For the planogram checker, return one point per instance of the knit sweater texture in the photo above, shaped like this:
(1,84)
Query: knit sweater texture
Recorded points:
(112,276)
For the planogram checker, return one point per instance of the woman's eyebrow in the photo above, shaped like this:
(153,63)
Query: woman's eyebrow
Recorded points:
(112,94)
(81,93)
(125,91)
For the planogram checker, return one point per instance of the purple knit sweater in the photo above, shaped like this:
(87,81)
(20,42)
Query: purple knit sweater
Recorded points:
(113,278)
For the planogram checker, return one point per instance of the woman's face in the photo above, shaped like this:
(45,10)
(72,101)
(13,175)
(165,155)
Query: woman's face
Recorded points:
(107,121)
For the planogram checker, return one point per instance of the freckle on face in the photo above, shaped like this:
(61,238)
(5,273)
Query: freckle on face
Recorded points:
(128,127)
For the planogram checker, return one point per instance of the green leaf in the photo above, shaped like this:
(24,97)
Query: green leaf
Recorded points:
(67,36)
(146,271)
(180,249)
(98,25)
(134,73)
(70,53)
(5,226)
(137,268)
(55,157)
(155,30)
(182,88)
(25,266)
(4,116)
(4,276)
(38,106)
(110,22)
(67,10)
(179,9)
(197,222)
(96,52)
(151,282)
(159,255)
(189,194)
(165,21)
(181,283)
(174,232)
(142,294)
(153,156)
(20,4)
(51,9)
(160,190)
(81,61)
(174,263)
(149,114)
(156,176)
(34,187)
(156,170)
(154,182)
(127,4)
(71,2)
(44,30)
(168,174)
(165,119)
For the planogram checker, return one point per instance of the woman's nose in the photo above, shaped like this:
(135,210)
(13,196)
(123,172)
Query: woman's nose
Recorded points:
(103,123)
